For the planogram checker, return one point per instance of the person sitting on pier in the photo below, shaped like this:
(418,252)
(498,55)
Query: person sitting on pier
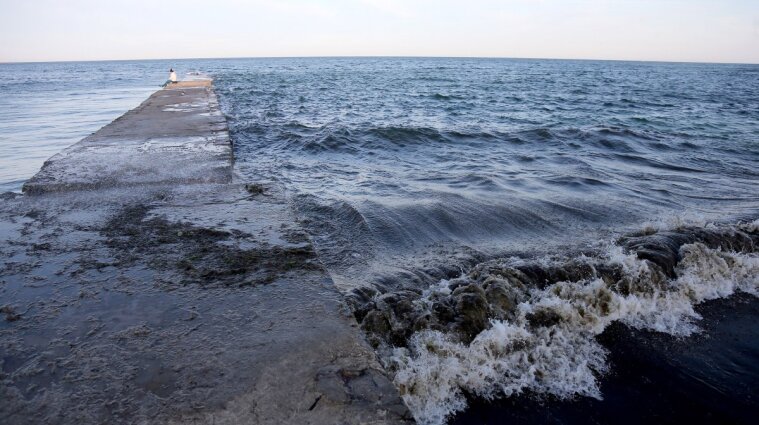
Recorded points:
(172,78)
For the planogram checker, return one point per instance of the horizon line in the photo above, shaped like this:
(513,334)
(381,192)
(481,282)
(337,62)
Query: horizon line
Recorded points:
(377,57)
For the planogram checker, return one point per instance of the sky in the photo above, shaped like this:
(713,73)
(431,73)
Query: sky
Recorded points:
(662,30)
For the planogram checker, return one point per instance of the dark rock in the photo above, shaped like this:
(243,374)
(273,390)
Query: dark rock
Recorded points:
(376,322)
(502,297)
(255,189)
(444,312)
(516,278)
(471,288)
(534,275)
(544,318)
(402,305)
(578,270)
(608,273)
(423,322)
(364,294)
(10,313)
(400,333)
(664,258)
(471,311)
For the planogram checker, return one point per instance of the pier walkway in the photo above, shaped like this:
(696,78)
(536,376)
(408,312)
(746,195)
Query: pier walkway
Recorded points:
(142,282)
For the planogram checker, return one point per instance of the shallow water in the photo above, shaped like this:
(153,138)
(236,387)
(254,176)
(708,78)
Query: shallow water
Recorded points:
(417,177)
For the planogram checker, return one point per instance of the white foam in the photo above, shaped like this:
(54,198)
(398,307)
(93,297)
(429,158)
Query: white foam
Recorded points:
(752,226)
(564,360)
(676,220)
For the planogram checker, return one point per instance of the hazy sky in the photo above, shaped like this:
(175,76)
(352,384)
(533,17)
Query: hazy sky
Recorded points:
(676,30)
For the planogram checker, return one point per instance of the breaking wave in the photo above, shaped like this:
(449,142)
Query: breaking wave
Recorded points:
(517,325)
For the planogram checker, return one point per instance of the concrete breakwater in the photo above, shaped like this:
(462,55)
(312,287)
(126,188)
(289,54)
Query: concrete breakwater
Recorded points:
(141,282)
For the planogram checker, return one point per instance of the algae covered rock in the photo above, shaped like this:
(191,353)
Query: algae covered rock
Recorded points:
(471,311)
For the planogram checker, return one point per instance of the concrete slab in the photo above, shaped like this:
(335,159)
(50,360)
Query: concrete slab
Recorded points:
(178,135)
(169,292)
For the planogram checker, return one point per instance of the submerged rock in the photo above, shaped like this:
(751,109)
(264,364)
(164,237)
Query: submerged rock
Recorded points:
(471,311)
(255,189)
(503,297)
(10,313)
(494,290)
(544,318)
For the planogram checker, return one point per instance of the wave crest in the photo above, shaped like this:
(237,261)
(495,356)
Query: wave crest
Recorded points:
(515,325)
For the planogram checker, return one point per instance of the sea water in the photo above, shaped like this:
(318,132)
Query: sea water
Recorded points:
(419,176)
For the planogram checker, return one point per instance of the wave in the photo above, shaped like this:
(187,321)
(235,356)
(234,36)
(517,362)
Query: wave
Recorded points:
(516,325)
(346,229)
(338,138)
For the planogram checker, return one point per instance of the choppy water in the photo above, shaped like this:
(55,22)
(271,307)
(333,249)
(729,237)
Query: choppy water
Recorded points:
(419,177)
(476,151)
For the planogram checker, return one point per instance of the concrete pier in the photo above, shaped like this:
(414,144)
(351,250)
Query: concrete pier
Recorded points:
(177,136)
(141,282)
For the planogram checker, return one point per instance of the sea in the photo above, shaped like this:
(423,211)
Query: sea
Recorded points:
(522,241)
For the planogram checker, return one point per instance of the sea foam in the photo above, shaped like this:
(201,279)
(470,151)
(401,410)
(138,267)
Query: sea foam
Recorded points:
(560,356)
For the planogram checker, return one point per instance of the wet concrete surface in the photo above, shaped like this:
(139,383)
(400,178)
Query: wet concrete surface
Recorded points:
(141,282)
(177,136)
